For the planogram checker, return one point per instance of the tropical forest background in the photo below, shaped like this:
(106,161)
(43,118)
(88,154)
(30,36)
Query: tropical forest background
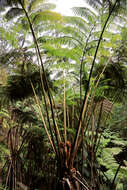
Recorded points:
(63,96)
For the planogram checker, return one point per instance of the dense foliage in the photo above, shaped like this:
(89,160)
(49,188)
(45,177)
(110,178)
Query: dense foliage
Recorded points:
(63,85)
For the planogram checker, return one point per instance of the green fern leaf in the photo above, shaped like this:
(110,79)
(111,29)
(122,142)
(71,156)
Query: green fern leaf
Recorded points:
(34,4)
(46,16)
(85,13)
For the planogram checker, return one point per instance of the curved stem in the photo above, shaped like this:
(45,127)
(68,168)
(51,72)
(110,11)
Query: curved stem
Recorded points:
(117,171)
(81,65)
(75,144)
(57,134)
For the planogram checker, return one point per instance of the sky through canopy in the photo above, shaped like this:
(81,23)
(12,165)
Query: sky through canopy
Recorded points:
(64,6)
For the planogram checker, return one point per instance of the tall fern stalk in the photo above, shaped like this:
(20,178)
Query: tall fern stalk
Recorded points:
(42,118)
(64,105)
(39,55)
(47,113)
(81,64)
(74,150)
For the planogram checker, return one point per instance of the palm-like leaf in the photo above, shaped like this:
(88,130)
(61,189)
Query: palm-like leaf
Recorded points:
(108,4)
(42,7)
(114,77)
(45,16)
(95,4)
(34,4)
(19,57)
(85,13)
(19,86)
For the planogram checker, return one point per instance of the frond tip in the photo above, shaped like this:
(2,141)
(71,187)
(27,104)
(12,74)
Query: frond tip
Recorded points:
(96,4)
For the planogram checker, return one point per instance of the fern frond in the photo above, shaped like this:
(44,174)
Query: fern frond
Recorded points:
(34,4)
(85,13)
(63,40)
(66,35)
(74,32)
(77,22)
(10,57)
(43,7)
(46,16)
(73,53)
(19,87)
(107,158)
(16,56)
(96,4)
